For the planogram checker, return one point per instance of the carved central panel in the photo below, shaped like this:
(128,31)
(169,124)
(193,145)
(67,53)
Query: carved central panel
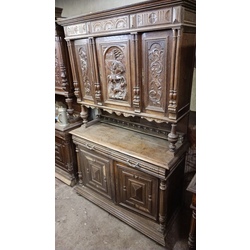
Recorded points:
(84,69)
(116,73)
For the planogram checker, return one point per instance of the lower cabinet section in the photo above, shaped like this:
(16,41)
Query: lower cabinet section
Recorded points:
(65,156)
(144,195)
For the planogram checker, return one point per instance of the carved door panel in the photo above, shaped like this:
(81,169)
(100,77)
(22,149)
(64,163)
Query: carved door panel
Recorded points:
(156,70)
(96,172)
(63,78)
(136,190)
(60,154)
(113,54)
(85,69)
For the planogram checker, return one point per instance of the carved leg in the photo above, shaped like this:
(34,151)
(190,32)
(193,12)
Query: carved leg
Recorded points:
(172,138)
(70,110)
(192,232)
(79,166)
(84,115)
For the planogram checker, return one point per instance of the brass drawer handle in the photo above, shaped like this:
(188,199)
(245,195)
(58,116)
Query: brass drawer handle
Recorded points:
(136,165)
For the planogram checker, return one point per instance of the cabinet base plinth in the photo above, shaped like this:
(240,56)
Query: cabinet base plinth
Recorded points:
(64,177)
(144,225)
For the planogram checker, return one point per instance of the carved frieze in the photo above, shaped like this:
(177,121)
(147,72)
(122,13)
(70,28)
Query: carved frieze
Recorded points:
(162,16)
(115,69)
(78,29)
(117,23)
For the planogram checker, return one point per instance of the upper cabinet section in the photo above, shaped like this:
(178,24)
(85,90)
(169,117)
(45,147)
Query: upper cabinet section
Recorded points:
(135,60)
(63,78)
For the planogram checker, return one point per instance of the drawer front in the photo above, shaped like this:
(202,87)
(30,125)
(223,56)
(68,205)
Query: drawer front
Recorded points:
(96,172)
(136,191)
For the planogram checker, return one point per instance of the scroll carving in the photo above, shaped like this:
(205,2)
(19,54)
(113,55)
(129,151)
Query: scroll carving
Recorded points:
(57,71)
(116,80)
(84,67)
(60,73)
(156,54)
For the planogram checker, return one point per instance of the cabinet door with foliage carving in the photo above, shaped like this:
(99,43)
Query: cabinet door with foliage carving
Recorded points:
(114,60)
(85,70)
(156,71)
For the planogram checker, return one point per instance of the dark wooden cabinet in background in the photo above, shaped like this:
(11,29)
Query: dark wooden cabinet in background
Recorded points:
(65,158)
(133,66)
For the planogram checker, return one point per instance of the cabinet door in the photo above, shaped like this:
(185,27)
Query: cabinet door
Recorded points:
(113,54)
(96,172)
(136,190)
(60,154)
(85,69)
(156,70)
(63,77)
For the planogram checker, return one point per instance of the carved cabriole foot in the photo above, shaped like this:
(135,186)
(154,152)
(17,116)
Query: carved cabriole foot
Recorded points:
(84,115)
(172,138)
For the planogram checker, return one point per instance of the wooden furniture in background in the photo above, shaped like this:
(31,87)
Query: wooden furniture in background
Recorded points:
(65,163)
(132,67)
(192,233)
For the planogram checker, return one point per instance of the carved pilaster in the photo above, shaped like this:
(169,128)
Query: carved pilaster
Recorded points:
(162,209)
(79,168)
(72,60)
(136,99)
(172,138)
(93,56)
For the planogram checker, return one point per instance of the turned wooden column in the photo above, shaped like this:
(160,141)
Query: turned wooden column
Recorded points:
(79,166)
(162,207)
(172,138)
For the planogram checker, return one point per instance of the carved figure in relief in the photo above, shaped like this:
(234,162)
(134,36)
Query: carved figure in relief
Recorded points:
(84,67)
(117,85)
(156,68)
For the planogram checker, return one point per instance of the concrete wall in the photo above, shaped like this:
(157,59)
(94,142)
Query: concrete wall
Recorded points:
(78,7)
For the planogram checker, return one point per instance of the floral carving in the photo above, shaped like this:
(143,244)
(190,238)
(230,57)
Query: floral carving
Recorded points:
(57,71)
(156,68)
(84,67)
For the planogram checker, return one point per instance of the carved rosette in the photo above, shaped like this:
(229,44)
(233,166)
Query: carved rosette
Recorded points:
(116,79)
(84,68)
(156,54)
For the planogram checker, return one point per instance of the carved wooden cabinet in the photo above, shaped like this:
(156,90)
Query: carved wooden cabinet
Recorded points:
(132,66)
(65,156)
(65,163)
